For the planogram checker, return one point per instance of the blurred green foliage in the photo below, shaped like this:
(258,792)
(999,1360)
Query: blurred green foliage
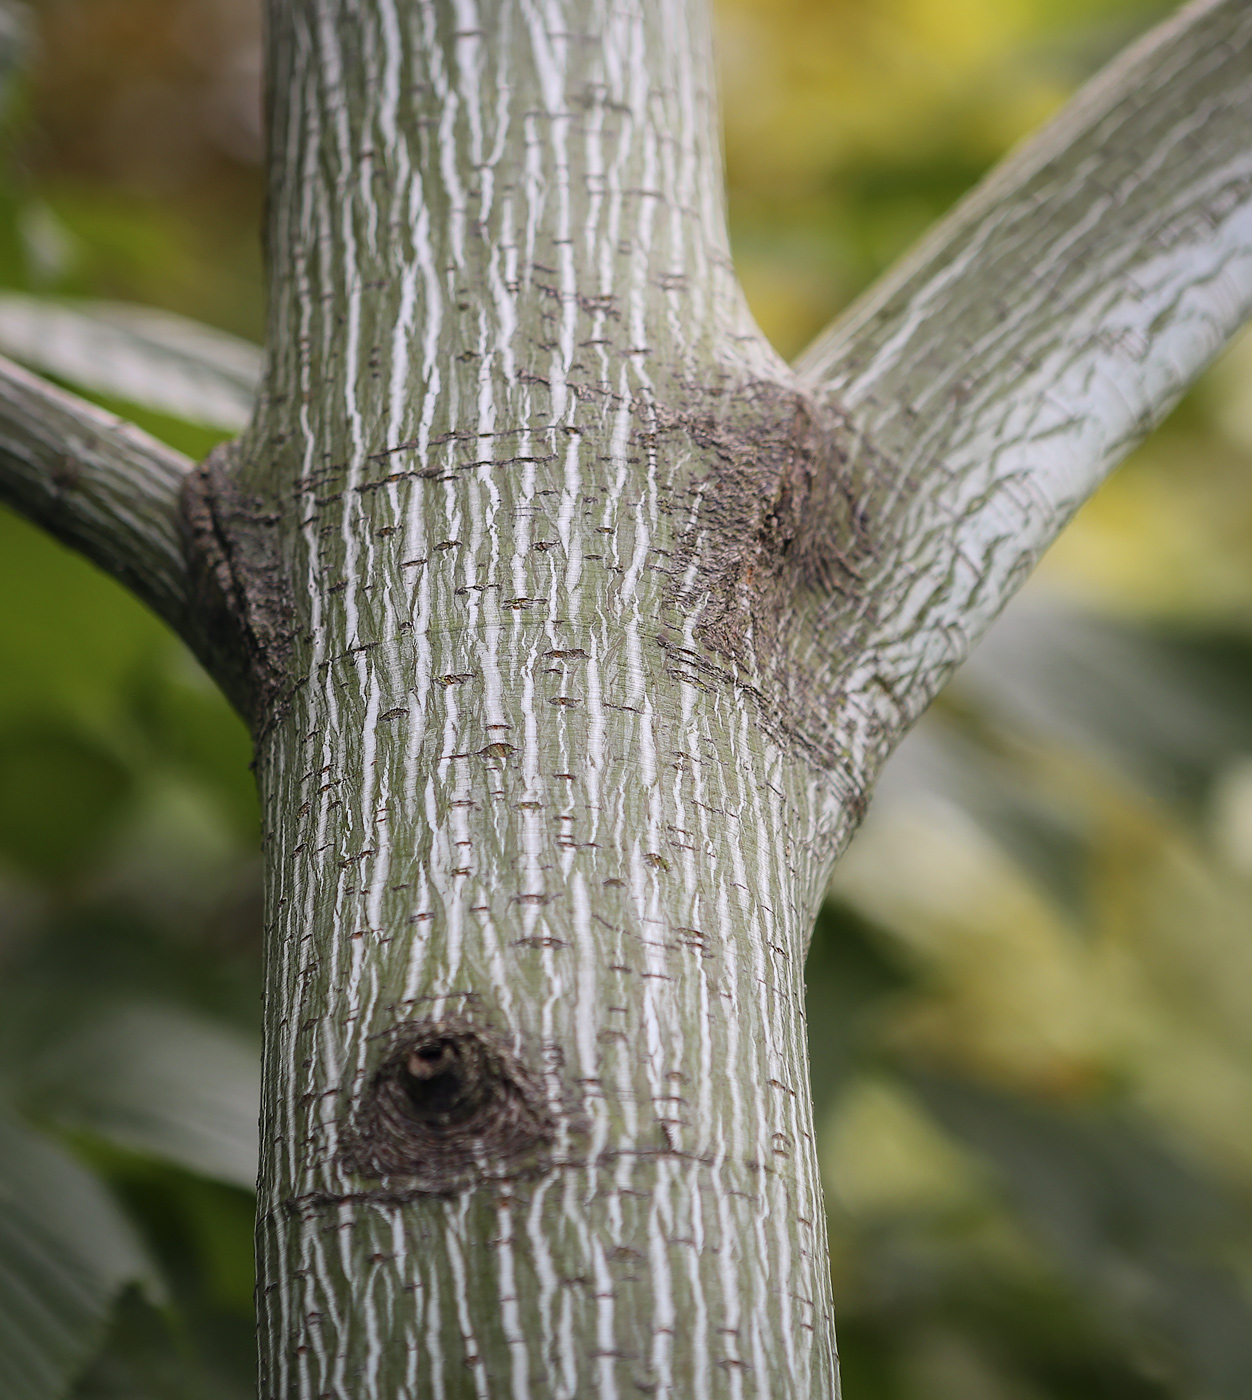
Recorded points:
(129,883)
(1031,989)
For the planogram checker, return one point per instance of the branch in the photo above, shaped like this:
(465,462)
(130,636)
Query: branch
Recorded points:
(988,383)
(98,484)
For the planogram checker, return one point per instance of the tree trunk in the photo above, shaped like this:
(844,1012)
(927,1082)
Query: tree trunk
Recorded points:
(544,840)
(574,627)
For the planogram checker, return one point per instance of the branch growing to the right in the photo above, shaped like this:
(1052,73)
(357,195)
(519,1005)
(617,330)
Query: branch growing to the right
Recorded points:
(987,385)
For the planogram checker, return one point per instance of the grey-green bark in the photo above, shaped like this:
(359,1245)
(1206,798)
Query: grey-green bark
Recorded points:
(519,401)
(574,627)
(99,484)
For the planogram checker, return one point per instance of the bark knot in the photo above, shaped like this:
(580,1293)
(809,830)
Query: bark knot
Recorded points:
(449,1106)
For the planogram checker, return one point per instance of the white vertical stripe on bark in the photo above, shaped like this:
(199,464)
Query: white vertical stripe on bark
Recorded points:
(499,276)
(603,625)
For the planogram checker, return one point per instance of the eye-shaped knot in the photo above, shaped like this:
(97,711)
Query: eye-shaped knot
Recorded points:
(447,1080)
(449,1104)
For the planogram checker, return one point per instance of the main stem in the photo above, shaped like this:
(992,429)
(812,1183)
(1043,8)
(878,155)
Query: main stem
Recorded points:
(575,629)
(543,845)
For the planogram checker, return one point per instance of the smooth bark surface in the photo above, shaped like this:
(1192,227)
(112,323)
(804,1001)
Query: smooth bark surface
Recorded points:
(574,628)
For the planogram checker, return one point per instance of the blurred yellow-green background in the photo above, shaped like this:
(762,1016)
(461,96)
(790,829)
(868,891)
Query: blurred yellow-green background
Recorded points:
(1031,990)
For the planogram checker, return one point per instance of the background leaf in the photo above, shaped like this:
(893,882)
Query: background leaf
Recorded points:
(1169,705)
(66,1252)
(1139,1233)
(161,1081)
(137,354)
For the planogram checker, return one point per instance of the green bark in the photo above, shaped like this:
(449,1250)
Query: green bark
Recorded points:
(574,628)
(529,447)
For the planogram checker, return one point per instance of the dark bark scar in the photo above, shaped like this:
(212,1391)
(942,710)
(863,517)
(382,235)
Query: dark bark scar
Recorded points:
(242,603)
(769,520)
(448,1107)
(771,528)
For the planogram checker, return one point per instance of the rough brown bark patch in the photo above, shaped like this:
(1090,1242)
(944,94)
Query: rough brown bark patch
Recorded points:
(448,1106)
(773,526)
(241,602)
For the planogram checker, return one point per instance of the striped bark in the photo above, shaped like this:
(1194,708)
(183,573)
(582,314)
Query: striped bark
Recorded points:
(521,813)
(574,628)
